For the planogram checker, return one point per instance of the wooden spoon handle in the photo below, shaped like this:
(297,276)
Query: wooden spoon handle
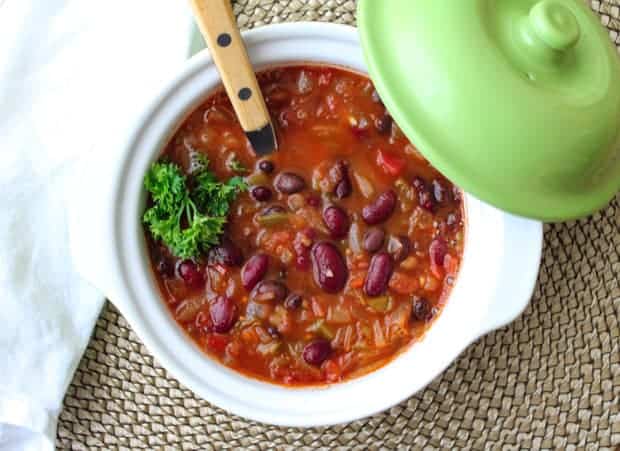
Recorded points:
(217,24)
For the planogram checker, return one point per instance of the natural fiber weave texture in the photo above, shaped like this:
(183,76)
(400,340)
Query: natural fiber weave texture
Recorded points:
(551,380)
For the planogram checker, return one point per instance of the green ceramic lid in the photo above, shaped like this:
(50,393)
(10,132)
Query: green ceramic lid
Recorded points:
(516,101)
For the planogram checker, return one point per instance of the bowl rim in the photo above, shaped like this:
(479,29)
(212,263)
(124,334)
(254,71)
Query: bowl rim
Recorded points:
(129,287)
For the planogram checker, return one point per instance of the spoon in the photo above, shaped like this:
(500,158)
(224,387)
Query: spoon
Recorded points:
(218,26)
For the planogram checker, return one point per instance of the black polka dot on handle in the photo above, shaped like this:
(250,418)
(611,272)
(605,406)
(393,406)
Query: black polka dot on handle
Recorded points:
(245,93)
(224,40)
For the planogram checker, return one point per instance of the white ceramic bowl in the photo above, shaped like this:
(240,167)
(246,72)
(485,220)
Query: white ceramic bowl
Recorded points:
(498,272)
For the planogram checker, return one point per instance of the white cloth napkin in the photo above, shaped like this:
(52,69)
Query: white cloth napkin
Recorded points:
(72,75)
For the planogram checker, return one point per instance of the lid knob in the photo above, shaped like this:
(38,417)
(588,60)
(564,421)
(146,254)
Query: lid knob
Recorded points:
(555,24)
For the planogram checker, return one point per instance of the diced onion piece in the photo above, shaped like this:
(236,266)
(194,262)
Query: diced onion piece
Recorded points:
(263,335)
(296,201)
(355,238)
(364,185)
(188,309)
(338,314)
(269,348)
(380,340)
(325,130)
(348,338)
(397,322)
(409,263)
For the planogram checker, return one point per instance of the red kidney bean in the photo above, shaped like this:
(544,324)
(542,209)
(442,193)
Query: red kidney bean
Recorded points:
(164,267)
(303,260)
(191,275)
(457,195)
(337,171)
(337,221)
(379,274)
(313,200)
(260,193)
(381,209)
(360,127)
(340,175)
(316,352)
(273,332)
(269,291)
(258,310)
(437,251)
(383,124)
(302,244)
(426,201)
(376,98)
(289,183)
(439,192)
(329,268)
(344,188)
(373,240)
(293,301)
(418,183)
(420,308)
(453,219)
(309,233)
(425,197)
(226,253)
(266,166)
(254,270)
(223,313)
(399,247)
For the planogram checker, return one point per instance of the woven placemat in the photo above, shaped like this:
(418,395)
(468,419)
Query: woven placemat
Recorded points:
(551,380)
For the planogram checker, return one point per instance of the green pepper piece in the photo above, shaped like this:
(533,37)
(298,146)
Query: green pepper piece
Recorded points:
(379,304)
(322,329)
(258,178)
(272,219)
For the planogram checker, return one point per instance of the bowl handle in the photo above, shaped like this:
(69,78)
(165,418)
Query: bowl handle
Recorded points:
(90,218)
(516,281)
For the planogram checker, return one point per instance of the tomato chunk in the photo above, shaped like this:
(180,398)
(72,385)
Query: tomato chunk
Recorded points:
(403,284)
(217,343)
(332,371)
(390,164)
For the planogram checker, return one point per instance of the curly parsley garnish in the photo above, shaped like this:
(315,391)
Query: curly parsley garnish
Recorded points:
(188,221)
(238,167)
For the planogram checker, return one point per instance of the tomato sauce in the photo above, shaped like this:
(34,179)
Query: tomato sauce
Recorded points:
(341,253)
